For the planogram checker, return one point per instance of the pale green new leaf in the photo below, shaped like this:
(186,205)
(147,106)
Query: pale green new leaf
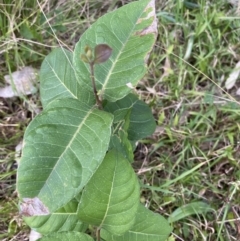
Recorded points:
(64,219)
(148,226)
(130,31)
(67,236)
(111,198)
(63,147)
(58,79)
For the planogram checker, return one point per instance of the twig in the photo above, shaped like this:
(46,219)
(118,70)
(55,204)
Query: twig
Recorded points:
(98,234)
(99,102)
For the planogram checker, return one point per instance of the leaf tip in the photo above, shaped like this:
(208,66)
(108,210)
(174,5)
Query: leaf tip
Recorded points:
(152,28)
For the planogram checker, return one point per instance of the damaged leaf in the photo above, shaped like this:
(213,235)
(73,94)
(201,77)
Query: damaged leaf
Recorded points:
(131,32)
(33,207)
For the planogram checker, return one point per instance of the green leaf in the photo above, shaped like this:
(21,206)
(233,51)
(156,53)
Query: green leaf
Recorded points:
(29,32)
(119,140)
(188,210)
(148,226)
(63,146)
(142,122)
(121,143)
(58,79)
(130,31)
(111,198)
(67,236)
(64,219)
(121,108)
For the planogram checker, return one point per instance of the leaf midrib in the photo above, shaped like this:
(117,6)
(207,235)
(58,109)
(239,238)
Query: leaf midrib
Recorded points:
(110,194)
(60,80)
(117,58)
(70,142)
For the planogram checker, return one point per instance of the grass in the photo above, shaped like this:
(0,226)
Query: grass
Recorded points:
(189,169)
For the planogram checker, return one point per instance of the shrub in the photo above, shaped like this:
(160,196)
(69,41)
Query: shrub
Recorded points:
(75,169)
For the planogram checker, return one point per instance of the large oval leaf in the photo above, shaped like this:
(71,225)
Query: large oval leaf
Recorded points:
(130,31)
(148,226)
(64,219)
(58,79)
(110,199)
(63,146)
(67,236)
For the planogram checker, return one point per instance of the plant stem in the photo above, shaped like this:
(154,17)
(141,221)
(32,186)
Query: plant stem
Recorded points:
(98,234)
(99,102)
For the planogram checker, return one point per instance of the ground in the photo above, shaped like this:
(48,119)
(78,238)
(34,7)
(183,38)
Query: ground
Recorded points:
(191,163)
